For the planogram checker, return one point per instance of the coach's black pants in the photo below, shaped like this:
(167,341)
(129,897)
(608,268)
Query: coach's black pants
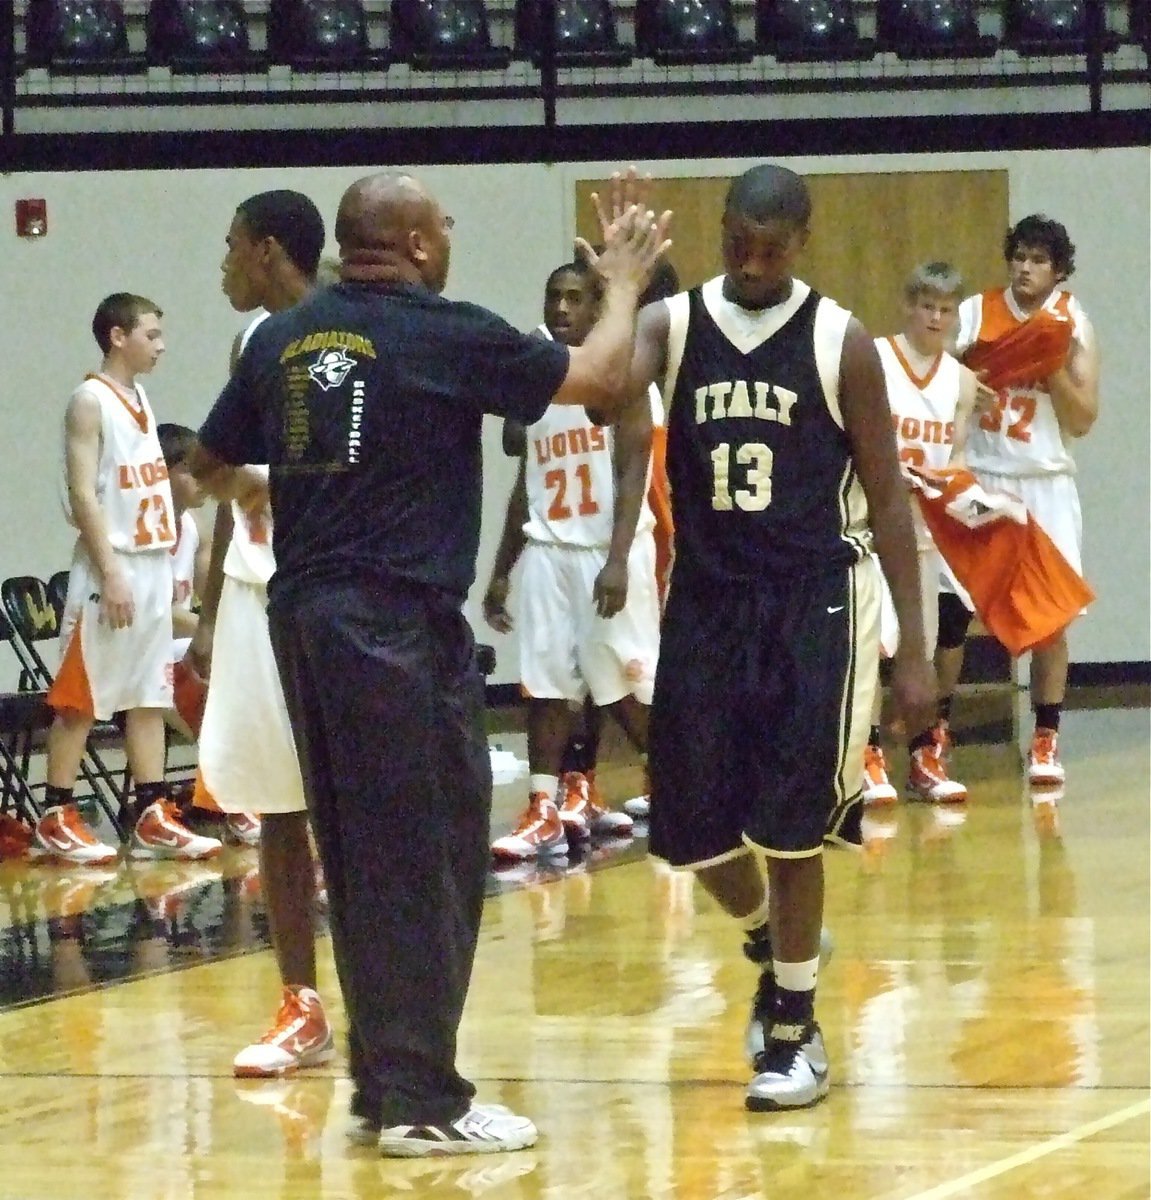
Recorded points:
(387,706)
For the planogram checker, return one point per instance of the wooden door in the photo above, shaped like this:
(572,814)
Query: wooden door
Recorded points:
(868,232)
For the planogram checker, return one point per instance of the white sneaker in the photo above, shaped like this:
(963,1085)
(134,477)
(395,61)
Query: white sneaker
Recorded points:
(483,1129)
(299,1037)
(638,807)
(928,776)
(160,833)
(1043,766)
(790,1075)
(877,788)
(540,831)
(63,835)
(583,811)
(761,1005)
(244,827)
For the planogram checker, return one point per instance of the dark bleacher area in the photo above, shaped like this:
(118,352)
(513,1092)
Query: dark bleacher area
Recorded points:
(181,51)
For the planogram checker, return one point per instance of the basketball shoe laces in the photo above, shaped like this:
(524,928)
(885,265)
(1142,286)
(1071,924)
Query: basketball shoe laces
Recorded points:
(291,1019)
(1043,747)
(875,765)
(777,1057)
(69,816)
(533,817)
(170,815)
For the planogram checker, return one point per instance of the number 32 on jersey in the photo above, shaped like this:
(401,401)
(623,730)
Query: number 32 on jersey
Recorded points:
(754,494)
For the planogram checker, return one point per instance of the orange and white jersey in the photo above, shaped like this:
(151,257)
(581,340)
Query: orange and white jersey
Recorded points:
(131,478)
(1021,436)
(184,562)
(1023,586)
(922,411)
(570,478)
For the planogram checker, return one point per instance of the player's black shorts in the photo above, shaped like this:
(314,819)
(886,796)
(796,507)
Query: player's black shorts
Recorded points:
(761,713)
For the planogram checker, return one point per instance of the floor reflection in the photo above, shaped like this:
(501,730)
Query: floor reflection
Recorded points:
(65,929)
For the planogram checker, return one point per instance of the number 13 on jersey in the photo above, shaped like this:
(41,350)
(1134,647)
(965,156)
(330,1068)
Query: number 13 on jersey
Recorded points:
(153,523)
(755,493)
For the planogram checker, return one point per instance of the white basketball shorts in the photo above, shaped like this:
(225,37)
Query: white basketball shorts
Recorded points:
(247,752)
(103,670)
(566,648)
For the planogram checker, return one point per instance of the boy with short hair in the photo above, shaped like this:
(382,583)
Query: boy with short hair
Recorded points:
(1036,346)
(932,397)
(116,632)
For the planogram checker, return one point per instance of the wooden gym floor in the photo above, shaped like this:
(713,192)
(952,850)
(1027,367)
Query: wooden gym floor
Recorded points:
(986,1013)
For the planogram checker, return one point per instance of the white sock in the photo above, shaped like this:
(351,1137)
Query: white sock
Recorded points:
(549,784)
(797,976)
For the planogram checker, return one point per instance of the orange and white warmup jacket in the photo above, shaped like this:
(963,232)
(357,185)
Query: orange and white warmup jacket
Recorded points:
(1023,589)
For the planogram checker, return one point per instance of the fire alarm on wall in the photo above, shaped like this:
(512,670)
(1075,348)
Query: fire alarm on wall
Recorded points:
(31,218)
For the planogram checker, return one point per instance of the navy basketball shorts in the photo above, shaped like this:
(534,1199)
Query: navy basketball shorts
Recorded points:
(761,713)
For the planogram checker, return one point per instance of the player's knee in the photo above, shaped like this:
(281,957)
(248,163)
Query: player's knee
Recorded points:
(954,619)
(72,720)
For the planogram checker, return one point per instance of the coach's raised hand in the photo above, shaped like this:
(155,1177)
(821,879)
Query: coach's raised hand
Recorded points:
(633,238)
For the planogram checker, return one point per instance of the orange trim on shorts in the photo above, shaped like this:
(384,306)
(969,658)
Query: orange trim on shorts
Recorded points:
(659,500)
(70,690)
(201,797)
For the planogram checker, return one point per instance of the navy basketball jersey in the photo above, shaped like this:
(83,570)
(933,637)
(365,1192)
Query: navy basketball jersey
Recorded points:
(760,467)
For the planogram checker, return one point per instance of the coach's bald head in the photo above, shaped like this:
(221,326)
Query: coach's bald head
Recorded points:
(391,229)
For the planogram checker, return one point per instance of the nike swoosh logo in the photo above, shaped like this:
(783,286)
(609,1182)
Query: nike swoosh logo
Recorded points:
(171,839)
(837,608)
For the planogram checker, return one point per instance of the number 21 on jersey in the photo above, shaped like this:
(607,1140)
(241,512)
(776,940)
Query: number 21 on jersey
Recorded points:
(556,481)
(755,493)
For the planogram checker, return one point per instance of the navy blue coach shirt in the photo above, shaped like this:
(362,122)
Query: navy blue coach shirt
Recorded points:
(366,400)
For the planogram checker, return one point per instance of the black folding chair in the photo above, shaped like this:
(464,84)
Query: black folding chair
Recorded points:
(33,621)
(23,718)
(58,593)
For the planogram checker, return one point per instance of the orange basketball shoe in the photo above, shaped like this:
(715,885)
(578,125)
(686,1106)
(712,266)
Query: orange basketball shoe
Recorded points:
(877,788)
(1043,766)
(584,813)
(244,827)
(15,837)
(540,831)
(63,834)
(300,1037)
(928,776)
(160,833)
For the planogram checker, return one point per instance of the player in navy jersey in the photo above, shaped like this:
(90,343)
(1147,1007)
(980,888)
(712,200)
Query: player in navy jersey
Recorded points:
(779,447)
(367,400)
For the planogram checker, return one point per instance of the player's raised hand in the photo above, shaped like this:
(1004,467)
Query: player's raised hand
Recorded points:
(626,189)
(633,238)
(635,243)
